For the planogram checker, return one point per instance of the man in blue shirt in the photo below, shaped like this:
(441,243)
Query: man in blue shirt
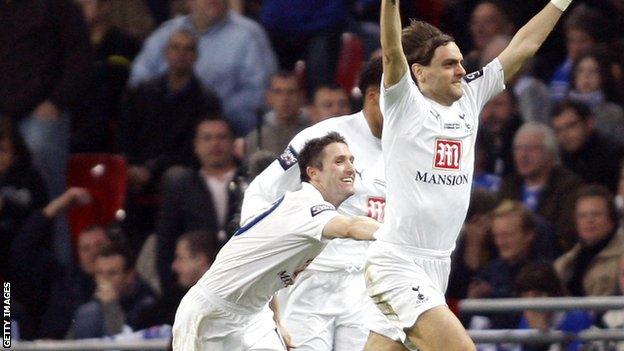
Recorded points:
(235,58)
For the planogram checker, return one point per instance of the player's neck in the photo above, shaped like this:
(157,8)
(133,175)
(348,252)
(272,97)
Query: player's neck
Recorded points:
(327,195)
(374,126)
(432,95)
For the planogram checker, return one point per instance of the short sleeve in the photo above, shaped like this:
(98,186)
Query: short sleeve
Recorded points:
(484,84)
(313,217)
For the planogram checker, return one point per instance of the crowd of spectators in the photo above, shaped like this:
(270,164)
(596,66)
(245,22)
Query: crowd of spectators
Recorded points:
(200,95)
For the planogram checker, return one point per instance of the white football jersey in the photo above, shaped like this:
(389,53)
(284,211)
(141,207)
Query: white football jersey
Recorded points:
(370,187)
(429,154)
(268,252)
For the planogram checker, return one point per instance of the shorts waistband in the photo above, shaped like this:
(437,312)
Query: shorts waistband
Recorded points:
(415,251)
(205,294)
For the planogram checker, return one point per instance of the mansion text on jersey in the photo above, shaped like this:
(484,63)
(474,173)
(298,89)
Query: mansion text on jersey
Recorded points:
(442,179)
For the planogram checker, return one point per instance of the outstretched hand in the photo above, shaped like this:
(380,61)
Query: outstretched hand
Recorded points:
(73,196)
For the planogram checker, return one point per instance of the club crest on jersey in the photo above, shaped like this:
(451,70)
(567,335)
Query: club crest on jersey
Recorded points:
(316,209)
(288,158)
(447,154)
(376,206)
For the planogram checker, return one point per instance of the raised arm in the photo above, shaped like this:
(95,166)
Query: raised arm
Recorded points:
(530,37)
(358,228)
(394,61)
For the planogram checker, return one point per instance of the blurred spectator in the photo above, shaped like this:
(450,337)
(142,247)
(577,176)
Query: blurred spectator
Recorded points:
(532,95)
(22,189)
(619,195)
(234,58)
(582,32)
(482,179)
(306,30)
(538,279)
(48,289)
(45,60)
(513,230)
(114,52)
(133,16)
(160,114)
(593,84)
(590,267)
(487,20)
(193,256)
(285,119)
(499,122)
(120,297)
(157,127)
(328,101)
(258,162)
(585,150)
(615,318)
(540,182)
(474,247)
(208,198)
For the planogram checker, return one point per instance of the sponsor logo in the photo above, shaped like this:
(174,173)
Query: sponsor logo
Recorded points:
(359,173)
(376,206)
(474,75)
(316,209)
(447,154)
(441,179)
(288,158)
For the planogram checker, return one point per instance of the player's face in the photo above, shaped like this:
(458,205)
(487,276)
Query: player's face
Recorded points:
(442,78)
(330,103)
(188,267)
(530,155)
(338,173)
(214,144)
(570,130)
(512,242)
(592,219)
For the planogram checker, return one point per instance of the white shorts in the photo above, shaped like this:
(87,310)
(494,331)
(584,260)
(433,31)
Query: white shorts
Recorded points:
(325,311)
(406,282)
(205,322)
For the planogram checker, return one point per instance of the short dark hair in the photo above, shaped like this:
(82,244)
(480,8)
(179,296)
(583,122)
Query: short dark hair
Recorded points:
(596,190)
(117,249)
(579,108)
(538,276)
(200,242)
(420,40)
(313,151)
(213,118)
(370,76)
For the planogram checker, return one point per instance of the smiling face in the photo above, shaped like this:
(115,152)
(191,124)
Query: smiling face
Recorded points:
(441,79)
(336,176)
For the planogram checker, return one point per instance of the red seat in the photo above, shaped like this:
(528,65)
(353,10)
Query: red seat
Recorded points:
(106,178)
(350,61)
